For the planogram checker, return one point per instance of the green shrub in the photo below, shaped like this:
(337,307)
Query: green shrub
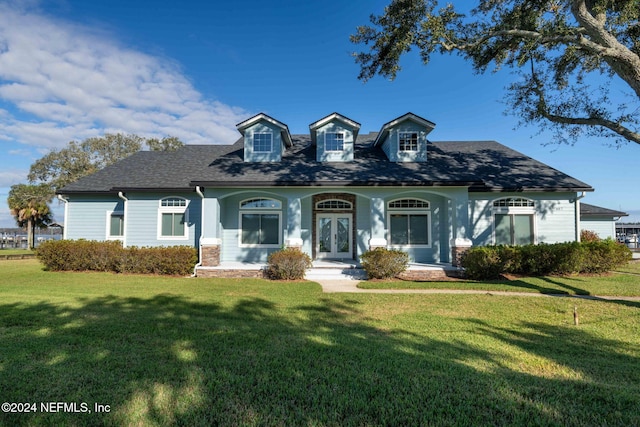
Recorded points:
(89,255)
(382,263)
(287,264)
(80,255)
(482,263)
(172,260)
(604,255)
(589,236)
(489,262)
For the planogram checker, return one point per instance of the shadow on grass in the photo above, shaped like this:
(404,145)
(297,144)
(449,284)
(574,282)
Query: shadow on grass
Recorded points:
(167,360)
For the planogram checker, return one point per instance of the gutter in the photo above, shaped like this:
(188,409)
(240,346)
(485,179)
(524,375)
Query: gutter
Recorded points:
(199,263)
(126,217)
(577,208)
(66,214)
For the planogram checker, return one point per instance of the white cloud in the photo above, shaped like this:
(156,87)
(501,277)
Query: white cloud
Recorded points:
(67,82)
(11,177)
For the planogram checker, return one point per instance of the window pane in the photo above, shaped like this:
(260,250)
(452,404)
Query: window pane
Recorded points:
(270,229)
(342,243)
(408,142)
(178,224)
(262,142)
(325,235)
(418,230)
(399,229)
(503,229)
(523,231)
(167,224)
(116,227)
(334,142)
(251,229)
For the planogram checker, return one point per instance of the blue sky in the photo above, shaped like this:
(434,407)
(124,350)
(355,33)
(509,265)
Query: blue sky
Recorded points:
(72,69)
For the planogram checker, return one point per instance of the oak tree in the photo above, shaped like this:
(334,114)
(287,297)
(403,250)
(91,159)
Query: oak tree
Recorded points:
(567,54)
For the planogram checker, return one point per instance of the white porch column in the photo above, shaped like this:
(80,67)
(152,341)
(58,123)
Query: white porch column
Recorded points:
(378,239)
(294,223)
(210,239)
(460,228)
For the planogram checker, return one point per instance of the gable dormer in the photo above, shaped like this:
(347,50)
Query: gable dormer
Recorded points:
(405,139)
(334,137)
(265,138)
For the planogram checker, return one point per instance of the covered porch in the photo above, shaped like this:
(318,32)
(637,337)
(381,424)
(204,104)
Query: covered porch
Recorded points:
(242,227)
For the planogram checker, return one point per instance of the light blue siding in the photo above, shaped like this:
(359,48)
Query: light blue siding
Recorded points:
(604,227)
(277,146)
(391,145)
(87,216)
(322,155)
(554,219)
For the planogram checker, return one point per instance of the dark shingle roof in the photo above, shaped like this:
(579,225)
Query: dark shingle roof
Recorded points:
(591,210)
(481,165)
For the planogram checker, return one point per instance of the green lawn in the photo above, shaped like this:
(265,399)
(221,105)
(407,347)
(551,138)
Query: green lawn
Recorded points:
(15,252)
(614,284)
(178,351)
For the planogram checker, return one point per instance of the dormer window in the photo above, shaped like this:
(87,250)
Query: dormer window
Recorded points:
(334,141)
(262,142)
(408,141)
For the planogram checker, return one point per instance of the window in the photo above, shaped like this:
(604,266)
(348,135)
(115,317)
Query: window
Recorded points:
(513,229)
(409,222)
(408,141)
(115,225)
(260,222)
(334,141)
(172,218)
(514,202)
(260,203)
(334,204)
(514,221)
(262,142)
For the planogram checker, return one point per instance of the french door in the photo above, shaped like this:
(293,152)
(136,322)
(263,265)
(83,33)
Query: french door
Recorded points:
(334,236)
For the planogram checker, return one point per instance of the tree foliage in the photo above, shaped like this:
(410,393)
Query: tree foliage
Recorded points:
(64,166)
(29,204)
(566,52)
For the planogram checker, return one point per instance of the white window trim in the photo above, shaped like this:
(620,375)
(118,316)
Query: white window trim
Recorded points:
(417,141)
(259,211)
(326,150)
(409,211)
(260,198)
(350,205)
(108,228)
(253,142)
(514,210)
(173,209)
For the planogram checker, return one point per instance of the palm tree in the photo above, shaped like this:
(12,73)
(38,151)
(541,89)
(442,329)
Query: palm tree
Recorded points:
(29,204)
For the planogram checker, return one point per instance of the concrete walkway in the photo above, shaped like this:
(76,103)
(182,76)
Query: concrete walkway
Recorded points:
(351,286)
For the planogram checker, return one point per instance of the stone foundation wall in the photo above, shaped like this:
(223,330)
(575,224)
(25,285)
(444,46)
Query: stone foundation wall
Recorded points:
(456,254)
(210,256)
(229,274)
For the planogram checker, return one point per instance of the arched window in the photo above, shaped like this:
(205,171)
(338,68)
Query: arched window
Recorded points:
(334,204)
(260,203)
(409,222)
(514,221)
(260,223)
(173,218)
(513,202)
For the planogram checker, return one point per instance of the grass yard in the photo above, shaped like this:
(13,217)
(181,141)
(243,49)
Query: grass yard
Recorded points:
(177,351)
(614,284)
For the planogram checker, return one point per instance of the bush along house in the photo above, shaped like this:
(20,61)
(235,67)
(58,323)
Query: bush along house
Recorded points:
(333,193)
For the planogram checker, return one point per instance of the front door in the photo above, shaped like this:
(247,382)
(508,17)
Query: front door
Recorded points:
(333,234)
